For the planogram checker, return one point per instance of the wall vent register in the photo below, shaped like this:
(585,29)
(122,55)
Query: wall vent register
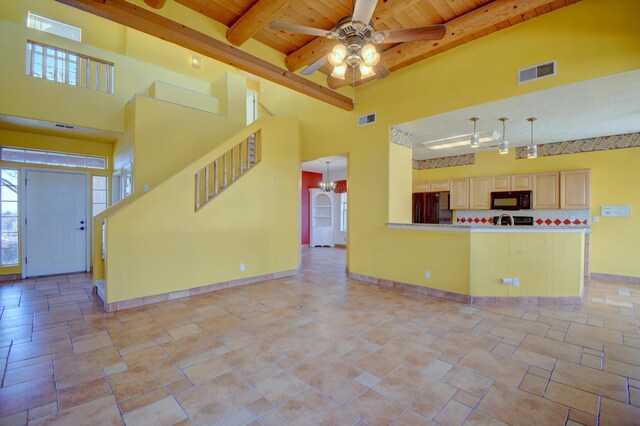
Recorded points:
(536,72)
(363,120)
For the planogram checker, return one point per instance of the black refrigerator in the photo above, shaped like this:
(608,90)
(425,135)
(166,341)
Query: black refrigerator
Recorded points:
(431,207)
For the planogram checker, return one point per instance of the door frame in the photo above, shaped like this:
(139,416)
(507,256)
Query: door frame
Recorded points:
(22,207)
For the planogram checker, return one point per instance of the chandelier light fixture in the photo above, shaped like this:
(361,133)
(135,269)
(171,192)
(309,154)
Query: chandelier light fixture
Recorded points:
(532,150)
(503,147)
(475,138)
(327,185)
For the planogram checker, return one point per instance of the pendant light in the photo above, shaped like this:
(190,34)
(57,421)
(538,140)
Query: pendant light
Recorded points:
(532,150)
(327,185)
(475,138)
(503,147)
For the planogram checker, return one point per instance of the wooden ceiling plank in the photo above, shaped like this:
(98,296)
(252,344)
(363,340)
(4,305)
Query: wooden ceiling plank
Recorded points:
(312,51)
(211,10)
(256,18)
(156,25)
(156,4)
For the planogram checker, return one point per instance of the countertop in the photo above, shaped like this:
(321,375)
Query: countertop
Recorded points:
(488,228)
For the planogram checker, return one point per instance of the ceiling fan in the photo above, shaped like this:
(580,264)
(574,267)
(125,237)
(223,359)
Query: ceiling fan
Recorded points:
(356,37)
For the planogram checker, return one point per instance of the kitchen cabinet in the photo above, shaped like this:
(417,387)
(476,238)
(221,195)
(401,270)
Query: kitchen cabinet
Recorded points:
(422,186)
(575,189)
(459,194)
(522,182)
(545,191)
(480,193)
(501,183)
(440,185)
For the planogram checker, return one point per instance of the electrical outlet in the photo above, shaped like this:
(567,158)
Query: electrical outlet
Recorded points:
(596,219)
(242,267)
(507,281)
(427,274)
(516,282)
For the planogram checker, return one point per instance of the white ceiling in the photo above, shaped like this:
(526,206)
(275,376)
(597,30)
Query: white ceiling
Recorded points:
(600,107)
(319,165)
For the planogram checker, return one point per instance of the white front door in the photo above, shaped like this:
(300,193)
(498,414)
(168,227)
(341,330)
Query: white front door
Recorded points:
(56,222)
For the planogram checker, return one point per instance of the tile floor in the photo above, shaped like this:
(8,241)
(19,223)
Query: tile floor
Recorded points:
(316,349)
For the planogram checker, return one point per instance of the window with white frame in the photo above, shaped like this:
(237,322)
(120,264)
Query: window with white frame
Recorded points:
(343,212)
(9,246)
(99,194)
(48,25)
(52,158)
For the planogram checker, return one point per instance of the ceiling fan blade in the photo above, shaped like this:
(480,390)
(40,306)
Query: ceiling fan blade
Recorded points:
(363,10)
(401,35)
(300,29)
(381,70)
(315,66)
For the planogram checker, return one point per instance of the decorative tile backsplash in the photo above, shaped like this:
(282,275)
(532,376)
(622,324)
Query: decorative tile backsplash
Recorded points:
(629,140)
(540,217)
(436,163)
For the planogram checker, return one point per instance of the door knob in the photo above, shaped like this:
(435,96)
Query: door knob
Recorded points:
(81,228)
(82,222)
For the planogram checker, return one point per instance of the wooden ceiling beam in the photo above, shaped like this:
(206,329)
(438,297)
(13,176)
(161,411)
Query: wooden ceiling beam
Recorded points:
(457,29)
(260,14)
(156,4)
(153,24)
(319,46)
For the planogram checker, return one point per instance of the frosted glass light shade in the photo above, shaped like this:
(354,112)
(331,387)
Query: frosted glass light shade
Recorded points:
(366,71)
(337,55)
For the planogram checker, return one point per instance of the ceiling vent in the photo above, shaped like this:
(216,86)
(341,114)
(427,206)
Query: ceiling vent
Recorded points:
(363,120)
(537,72)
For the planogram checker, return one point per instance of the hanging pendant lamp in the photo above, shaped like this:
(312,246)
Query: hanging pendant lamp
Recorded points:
(475,138)
(532,150)
(503,147)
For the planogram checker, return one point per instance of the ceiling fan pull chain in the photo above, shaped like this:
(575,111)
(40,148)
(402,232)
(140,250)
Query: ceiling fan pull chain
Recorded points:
(353,83)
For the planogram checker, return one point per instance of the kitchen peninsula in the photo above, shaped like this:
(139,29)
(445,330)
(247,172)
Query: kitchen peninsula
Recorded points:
(499,264)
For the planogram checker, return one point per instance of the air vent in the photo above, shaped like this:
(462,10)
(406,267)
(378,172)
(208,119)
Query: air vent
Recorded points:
(363,120)
(537,72)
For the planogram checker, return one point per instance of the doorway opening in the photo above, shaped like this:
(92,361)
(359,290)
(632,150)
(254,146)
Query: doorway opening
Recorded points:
(324,213)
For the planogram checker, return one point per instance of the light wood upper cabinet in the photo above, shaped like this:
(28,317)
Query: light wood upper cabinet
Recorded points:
(523,182)
(480,193)
(575,189)
(440,185)
(545,190)
(459,198)
(422,186)
(500,183)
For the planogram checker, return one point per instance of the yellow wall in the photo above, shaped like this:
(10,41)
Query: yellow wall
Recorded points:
(158,244)
(399,175)
(51,143)
(547,264)
(615,179)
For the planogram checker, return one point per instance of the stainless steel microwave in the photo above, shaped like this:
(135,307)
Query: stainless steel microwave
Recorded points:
(513,200)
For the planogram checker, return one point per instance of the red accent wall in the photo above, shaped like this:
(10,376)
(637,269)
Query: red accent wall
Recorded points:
(309,180)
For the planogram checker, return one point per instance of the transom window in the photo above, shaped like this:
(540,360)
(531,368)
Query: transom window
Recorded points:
(9,246)
(48,25)
(21,155)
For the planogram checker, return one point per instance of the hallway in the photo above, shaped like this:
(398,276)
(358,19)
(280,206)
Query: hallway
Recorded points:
(316,348)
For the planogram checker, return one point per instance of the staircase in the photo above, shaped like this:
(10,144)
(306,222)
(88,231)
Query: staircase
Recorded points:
(221,173)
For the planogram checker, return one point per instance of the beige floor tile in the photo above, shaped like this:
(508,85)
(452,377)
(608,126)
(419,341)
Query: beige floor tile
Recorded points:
(520,408)
(411,418)
(533,384)
(582,418)
(347,392)
(249,359)
(142,400)
(592,361)
(622,353)
(86,345)
(590,380)
(572,397)
(497,368)
(468,381)
(25,395)
(325,373)
(164,412)
(214,400)
(552,348)
(454,413)
(622,368)
(102,411)
(206,370)
(309,408)
(614,413)
(466,398)
(375,409)
(597,333)
(523,326)
(83,393)
(190,346)
(30,372)
(478,419)
(143,378)
(184,331)
(533,358)
(407,387)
